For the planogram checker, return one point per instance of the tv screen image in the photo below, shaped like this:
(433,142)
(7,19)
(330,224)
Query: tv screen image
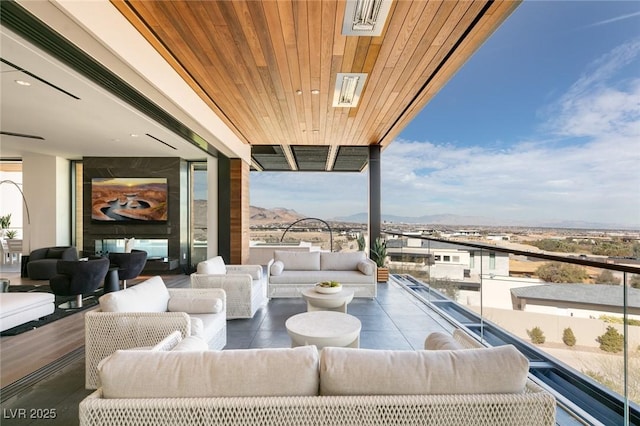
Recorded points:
(129,199)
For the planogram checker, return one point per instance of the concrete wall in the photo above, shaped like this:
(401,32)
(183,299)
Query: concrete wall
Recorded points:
(586,330)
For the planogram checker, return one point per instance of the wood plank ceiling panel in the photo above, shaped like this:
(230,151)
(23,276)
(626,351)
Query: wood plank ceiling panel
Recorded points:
(255,63)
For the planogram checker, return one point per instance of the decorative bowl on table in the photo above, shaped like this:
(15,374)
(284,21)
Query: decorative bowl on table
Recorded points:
(328,287)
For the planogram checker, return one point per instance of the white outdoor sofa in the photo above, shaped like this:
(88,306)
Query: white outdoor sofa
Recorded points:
(245,285)
(21,307)
(301,386)
(290,272)
(144,314)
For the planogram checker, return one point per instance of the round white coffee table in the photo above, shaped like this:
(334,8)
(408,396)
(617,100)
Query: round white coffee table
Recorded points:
(324,328)
(327,302)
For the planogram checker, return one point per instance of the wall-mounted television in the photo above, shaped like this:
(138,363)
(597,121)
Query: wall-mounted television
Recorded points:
(129,200)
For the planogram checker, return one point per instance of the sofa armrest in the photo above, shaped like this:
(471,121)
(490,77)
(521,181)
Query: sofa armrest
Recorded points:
(254,270)
(194,293)
(107,332)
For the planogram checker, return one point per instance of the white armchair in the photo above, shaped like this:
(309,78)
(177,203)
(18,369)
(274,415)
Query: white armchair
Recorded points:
(244,285)
(146,313)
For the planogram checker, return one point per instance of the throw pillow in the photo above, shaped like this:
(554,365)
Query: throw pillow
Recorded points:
(202,305)
(148,296)
(277,267)
(366,268)
(191,343)
(128,244)
(441,341)
(213,266)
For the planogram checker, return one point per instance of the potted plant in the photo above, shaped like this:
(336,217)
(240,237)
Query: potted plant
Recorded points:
(5,222)
(11,234)
(379,255)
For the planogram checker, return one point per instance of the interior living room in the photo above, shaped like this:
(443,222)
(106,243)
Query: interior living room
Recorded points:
(122,106)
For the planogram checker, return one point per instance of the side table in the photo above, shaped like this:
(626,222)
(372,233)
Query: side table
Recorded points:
(327,302)
(324,328)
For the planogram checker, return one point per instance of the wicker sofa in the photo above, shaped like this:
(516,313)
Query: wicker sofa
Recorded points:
(290,272)
(301,386)
(245,285)
(144,314)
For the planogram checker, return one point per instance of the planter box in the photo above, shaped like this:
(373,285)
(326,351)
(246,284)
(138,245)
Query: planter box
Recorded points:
(383,275)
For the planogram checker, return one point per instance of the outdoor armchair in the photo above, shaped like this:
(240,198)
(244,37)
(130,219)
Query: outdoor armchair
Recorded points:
(245,285)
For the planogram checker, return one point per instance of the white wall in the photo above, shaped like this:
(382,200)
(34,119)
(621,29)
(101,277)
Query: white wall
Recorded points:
(47,188)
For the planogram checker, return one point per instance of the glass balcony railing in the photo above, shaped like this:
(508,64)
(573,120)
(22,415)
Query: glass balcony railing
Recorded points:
(576,317)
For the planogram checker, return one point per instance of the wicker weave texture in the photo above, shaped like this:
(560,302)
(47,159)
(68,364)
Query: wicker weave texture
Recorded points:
(107,332)
(244,294)
(532,408)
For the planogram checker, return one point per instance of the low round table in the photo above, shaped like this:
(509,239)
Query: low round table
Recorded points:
(324,328)
(327,302)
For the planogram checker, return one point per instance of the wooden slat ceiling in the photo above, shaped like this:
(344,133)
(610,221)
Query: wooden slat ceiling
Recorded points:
(247,59)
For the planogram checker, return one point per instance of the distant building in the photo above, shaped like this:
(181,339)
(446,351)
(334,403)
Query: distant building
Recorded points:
(580,300)
(445,260)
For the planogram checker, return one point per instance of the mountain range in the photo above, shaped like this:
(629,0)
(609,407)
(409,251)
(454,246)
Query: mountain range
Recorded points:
(264,216)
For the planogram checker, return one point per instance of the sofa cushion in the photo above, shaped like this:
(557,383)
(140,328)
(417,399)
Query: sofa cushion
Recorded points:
(277,267)
(441,341)
(302,277)
(366,268)
(298,260)
(246,372)
(201,305)
(341,261)
(213,266)
(148,296)
(347,371)
(191,343)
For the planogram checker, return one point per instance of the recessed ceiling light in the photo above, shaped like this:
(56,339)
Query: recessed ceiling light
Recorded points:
(315,91)
(23,83)
(298,92)
(365,17)
(134,135)
(348,89)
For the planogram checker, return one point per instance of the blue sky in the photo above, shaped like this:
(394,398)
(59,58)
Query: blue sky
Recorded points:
(541,125)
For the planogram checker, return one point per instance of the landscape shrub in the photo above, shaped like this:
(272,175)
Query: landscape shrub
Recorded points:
(568,337)
(611,340)
(607,277)
(559,272)
(536,335)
